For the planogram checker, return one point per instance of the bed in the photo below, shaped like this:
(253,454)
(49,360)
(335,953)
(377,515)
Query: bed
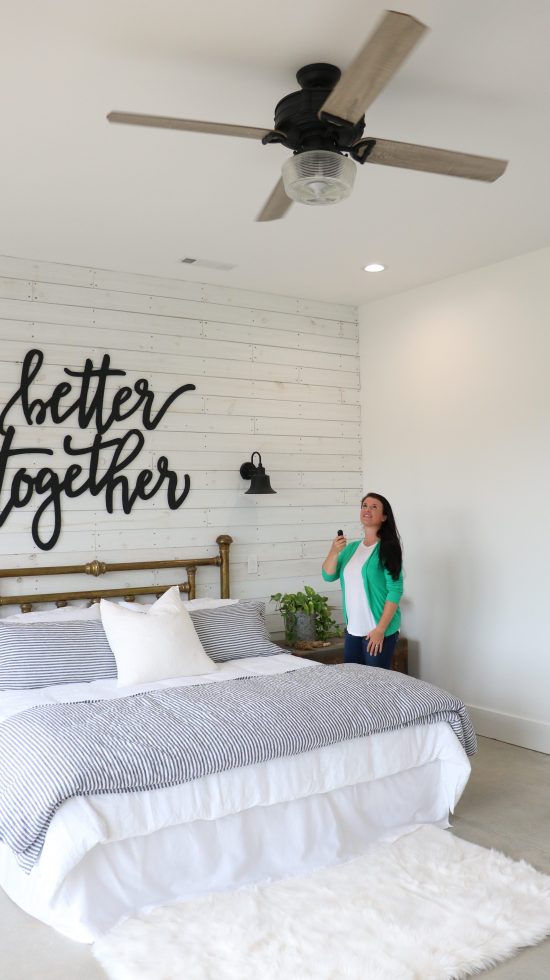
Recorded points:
(313,800)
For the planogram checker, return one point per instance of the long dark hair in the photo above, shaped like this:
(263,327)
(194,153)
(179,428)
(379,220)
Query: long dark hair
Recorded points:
(391,554)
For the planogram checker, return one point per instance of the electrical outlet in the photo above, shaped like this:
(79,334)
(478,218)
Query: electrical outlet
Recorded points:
(252,564)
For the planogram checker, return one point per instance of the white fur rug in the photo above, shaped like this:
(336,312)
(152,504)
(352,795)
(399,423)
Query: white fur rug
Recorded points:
(427,907)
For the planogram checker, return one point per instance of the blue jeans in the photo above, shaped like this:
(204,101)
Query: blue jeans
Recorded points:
(355,651)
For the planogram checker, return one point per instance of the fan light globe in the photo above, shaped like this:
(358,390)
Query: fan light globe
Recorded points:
(318,177)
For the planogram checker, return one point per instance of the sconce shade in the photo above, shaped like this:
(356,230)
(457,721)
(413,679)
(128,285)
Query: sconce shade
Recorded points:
(259,480)
(260,483)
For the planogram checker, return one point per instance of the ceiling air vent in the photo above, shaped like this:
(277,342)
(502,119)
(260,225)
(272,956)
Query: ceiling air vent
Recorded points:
(207,264)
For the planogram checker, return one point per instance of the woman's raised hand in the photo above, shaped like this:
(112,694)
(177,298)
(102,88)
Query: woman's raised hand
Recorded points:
(339,543)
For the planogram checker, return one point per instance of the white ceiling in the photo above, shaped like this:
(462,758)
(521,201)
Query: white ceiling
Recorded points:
(75,189)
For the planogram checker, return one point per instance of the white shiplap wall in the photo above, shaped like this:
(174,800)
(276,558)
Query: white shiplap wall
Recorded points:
(273,374)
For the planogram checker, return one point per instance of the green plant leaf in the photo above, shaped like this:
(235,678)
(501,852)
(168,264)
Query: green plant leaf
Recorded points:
(310,602)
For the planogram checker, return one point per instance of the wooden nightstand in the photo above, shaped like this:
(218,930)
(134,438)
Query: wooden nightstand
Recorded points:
(334,654)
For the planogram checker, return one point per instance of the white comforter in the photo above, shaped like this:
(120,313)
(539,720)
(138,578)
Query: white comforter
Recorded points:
(83,822)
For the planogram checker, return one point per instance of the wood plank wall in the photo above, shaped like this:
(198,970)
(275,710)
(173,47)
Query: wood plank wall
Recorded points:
(273,374)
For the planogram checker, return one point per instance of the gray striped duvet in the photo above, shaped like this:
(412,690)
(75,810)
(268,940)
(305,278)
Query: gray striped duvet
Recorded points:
(162,738)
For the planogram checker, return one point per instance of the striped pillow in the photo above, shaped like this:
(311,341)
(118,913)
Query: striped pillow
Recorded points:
(42,654)
(234,632)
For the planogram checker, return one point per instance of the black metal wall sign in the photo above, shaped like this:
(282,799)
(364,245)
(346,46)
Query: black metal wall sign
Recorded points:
(85,399)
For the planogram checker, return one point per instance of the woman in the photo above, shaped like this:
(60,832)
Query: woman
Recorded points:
(371,576)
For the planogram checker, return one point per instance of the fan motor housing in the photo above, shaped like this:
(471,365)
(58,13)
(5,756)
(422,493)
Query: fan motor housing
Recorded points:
(297,122)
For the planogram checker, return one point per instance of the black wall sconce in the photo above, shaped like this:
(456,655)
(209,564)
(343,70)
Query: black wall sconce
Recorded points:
(259,480)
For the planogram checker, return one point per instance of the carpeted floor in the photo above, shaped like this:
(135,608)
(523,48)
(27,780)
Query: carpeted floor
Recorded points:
(428,907)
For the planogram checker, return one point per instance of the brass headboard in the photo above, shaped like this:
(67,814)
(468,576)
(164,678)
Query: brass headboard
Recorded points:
(97,568)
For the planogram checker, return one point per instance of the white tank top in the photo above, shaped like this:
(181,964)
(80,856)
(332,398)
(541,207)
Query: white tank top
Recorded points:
(360,617)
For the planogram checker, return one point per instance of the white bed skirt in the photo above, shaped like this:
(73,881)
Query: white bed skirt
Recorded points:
(118,878)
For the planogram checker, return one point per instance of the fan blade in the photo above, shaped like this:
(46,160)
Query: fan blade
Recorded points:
(190,125)
(276,205)
(411,156)
(372,69)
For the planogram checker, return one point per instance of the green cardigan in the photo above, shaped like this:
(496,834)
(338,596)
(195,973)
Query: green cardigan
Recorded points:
(380,587)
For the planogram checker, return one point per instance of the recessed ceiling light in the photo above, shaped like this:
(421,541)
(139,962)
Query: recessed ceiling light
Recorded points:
(374,267)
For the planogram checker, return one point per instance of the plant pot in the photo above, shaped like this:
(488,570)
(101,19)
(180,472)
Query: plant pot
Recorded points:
(305,626)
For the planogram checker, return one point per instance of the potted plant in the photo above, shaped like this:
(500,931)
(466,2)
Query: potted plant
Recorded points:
(307,616)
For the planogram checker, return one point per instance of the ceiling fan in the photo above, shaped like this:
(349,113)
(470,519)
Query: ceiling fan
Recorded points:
(323,124)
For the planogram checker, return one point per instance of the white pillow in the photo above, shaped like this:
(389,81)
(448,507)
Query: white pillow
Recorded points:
(188,604)
(207,603)
(160,644)
(73,613)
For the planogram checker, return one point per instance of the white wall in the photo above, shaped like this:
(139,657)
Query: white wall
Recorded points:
(273,374)
(456,432)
